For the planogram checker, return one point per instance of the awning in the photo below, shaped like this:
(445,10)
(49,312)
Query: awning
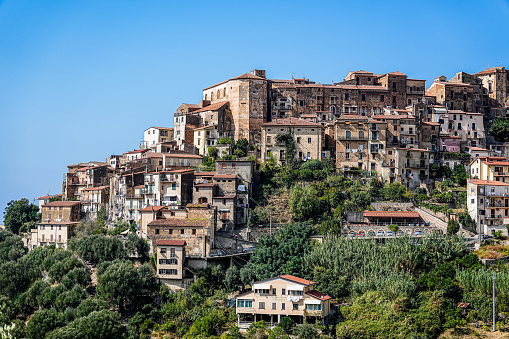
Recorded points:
(440,110)
(241,188)
(313,302)
(261,286)
(295,288)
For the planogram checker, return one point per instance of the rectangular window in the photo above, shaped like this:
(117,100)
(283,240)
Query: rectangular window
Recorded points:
(313,307)
(261,305)
(382,98)
(182,231)
(163,249)
(283,291)
(273,306)
(168,261)
(347,96)
(309,140)
(168,271)
(295,307)
(298,139)
(363,96)
(157,231)
(173,187)
(262,291)
(245,303)
(292,292)
(274,291)
(301,103)
(194,231)
(283,306)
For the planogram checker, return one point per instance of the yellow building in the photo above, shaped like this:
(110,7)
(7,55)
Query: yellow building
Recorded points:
(490,168)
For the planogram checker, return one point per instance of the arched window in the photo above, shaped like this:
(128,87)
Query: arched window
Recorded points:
(224,92)
(212,96)
(218,94)
(206,97)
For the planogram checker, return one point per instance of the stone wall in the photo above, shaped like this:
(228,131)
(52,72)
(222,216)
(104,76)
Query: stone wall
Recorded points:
(491,262)
(392,206)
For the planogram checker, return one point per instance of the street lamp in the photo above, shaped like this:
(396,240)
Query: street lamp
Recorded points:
(494,320)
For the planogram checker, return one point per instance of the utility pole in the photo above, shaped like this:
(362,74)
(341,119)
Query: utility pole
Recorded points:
(270,222)
(494,319)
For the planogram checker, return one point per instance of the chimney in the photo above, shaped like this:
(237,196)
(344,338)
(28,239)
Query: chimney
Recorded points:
(258,72)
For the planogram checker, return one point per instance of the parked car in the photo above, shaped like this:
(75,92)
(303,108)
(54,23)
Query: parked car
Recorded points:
(380,233)
(390,233)
(418,232)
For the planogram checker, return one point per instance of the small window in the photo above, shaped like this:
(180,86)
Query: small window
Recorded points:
(163,249)
(347,96)
(295,307)
(273,306)
(283,306)
(157,230)
(283,292)
(261,305)
(182,231)
(274,291)
(194,231)
(309,140)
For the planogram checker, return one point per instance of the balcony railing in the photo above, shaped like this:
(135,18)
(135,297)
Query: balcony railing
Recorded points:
(497,194)
(356,138)
(133,196)
(496,204)
(416,165)
(168,178)
(500,173)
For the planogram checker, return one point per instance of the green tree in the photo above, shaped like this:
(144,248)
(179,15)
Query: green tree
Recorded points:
(232,279)
(394,191)
(42,322)
(331,226)
(452,227)
(19,212)
(306,331)
(460,175)
(102,324)
(119,283)
(98,248)
(499,129)
(376,188)
(137,246)
(247,276)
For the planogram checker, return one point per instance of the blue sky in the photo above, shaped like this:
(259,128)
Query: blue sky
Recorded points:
(80,80)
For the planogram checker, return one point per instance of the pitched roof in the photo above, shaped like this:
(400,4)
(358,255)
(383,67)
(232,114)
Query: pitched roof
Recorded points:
(394,117)
(152,208)
(396,73)
(215,106)
(202,174)
(430,123)
(291,122)
(44,197)
(62,203)
(225,176)
(205,184)
(478,149)
(165,242)
(179,222)
(182,155)
(319,295)
(487,182)
(95,188)
(297,279)
(226,197)
(242,76)
(391,214)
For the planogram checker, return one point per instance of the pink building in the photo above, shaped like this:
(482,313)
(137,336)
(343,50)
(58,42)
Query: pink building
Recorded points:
(450,143)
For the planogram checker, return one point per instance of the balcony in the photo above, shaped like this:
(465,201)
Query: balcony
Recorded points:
(500,173)
(373,150)
(149,180)
(416,165)
(414,91)
(352,138)
(497,194)
(283,108)
(392,175)
(147,191)
(133,196)
(490,204)
(168,178)
(389,164)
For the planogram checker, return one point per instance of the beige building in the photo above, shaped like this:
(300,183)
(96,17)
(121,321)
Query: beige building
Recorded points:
(284,296)
(58,221)
(408,166)
(170,270)
(205,137)
(307,137)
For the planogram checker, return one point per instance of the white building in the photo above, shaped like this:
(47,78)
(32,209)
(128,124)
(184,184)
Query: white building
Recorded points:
(154,135)
(488,205)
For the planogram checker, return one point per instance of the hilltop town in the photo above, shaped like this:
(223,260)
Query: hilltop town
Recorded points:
(376,156)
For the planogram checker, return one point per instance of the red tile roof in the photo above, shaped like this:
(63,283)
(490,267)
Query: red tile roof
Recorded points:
(478,149)
(396,73)
(456,84)
(62,203)
(164,242)
(179,222)
(182,155)
(430,123)
(44,197)
(499,163)
(297,279)
(391,214)
(291,122)
(138,151)
(487,182)
(394,117)
(319,295)
(414,149)
(95,188)
(152,208)
(215,106)
(225,197)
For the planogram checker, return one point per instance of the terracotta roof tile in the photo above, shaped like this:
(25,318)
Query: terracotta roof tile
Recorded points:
(205,184)
(225,176)
(242,76)
(487,182)
(179,222)
(319,295)
(62,203)
(391,214)
(297,279)
(44,197)
(165,242)
(95,188)
(152,208)
(206,174)
(394,117)
(215,106)
(225,197)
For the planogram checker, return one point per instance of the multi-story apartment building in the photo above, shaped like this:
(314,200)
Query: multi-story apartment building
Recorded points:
(307,138)
(283,296)
(133,203)
(94,199)
(408,166)
(155,135)
(428,134)
(85,175)
(171,255)
(490,168)
(453,95)
(466,125)
(46,199)
(168,188)
(360,142)
(58,221)
(488,205)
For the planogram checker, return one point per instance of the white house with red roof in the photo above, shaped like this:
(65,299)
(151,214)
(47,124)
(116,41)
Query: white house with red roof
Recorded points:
(283,296)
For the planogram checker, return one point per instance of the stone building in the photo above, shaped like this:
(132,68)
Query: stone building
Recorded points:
(408,166)
(306,136)
(360,142)
(454,96)
(246,95)
(170,269)
(495,81)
